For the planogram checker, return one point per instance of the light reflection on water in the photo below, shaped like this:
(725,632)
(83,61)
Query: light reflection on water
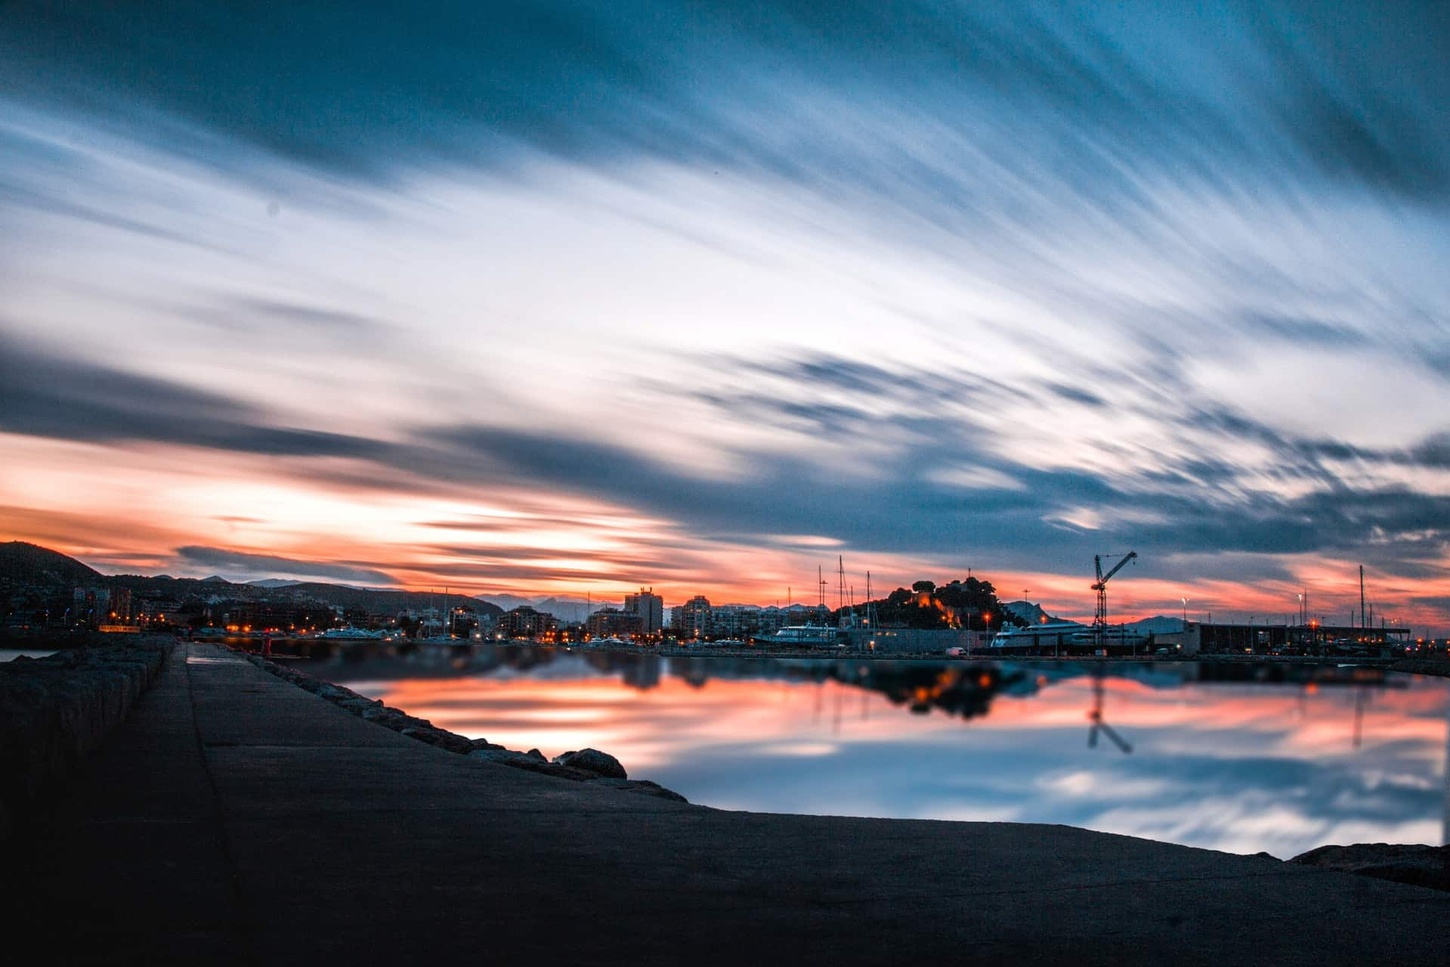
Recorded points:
(1237,758)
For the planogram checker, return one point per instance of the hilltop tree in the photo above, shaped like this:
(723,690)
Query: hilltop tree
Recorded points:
(971,604)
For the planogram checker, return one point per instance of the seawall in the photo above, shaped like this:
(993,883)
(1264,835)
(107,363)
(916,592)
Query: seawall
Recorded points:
(56,710)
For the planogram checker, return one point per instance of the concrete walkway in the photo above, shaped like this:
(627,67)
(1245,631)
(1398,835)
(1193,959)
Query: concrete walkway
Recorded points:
(237,818)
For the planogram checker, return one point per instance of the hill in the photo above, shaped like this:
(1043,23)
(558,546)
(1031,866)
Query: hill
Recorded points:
(23,564)
(29,566)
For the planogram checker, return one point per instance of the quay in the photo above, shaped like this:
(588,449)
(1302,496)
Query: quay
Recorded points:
(235,818)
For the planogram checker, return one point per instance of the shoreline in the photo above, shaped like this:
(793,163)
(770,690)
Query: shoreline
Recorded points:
(582,765)
(1415,864)
(1435,666)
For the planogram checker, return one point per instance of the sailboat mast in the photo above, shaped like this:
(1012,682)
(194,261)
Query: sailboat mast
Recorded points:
(1361,598)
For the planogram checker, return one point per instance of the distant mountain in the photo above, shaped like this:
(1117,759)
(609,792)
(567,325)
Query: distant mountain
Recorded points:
(1028,611)
(506,601)
(30,564)
(1158,625)
(565,609)
(273,583)
(573,609)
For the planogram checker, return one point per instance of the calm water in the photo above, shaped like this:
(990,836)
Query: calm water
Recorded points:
(1237,758)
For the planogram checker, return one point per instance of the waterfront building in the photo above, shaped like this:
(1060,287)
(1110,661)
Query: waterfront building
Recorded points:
(613,623)
(692,619)
(120,610)
(526,622)
(735,621)
(650,608)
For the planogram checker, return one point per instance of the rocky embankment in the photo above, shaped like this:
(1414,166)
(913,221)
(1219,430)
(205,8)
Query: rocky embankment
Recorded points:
(1439,666)
(55,710)
(585,765)
(1417,865)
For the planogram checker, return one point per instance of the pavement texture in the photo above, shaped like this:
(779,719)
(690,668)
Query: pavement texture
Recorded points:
(235,818)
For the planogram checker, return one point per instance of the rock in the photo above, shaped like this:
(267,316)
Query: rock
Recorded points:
(522,760)
(592,760)
(502,757)
(1417,865)
(454,743)
(358,705)
(483,744)
(536,754)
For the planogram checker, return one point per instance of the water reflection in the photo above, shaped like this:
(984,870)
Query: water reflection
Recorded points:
(1235,757)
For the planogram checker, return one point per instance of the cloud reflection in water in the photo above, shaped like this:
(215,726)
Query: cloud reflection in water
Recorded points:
(1231,765)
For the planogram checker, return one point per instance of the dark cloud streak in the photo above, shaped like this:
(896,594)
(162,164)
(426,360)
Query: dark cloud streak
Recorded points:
(221,558)
(46,394)
(373,87)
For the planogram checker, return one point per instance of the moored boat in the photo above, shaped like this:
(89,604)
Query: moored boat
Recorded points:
(803,636)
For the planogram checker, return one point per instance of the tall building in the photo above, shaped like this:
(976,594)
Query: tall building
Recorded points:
(650,607)
(121,605)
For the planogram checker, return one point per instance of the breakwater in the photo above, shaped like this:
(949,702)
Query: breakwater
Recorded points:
(56,710)
(583,765)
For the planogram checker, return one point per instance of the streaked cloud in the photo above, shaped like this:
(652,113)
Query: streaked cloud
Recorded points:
(642,287)
(239,566)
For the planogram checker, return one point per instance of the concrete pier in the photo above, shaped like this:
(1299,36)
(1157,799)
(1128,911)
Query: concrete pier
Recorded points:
(235,818)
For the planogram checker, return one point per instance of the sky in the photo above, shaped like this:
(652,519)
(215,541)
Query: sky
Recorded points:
(578,297)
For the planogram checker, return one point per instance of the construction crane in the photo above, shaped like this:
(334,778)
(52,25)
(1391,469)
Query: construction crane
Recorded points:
(1100,622)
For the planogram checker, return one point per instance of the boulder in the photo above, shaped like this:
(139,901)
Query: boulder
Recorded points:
(522,760)
(358,705)
(592,760)
(448,741)
(1414,864)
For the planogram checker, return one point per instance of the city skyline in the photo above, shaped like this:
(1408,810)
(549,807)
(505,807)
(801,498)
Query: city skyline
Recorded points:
(582,298)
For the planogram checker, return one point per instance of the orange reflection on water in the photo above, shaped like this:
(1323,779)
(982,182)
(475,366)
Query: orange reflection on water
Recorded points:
(1237,765)
(651,726)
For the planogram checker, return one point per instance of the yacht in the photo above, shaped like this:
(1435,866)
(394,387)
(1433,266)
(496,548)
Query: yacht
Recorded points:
(1050,634)
(804,636)
(353,634)
(1060,634)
